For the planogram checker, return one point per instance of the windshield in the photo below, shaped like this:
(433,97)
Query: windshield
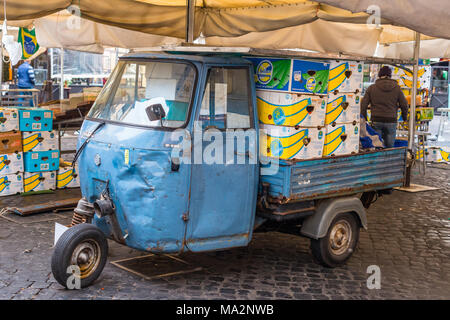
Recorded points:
(133,87)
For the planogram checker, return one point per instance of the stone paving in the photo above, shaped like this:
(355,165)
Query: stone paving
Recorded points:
(408,238)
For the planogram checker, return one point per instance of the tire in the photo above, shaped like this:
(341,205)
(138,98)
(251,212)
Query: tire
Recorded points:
(85,246)
(335,248)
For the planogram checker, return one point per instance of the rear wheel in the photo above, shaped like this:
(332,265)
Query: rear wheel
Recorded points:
(80,252)
(340,242)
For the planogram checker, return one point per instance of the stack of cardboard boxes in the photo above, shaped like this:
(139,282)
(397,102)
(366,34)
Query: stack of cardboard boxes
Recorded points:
(29,155)
(11,155)
(291,100)
(345,85)
(308,109)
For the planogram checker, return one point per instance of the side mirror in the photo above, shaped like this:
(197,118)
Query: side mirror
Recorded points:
(155,112)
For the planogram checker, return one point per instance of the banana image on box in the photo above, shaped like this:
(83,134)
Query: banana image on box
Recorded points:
(342,108)
(67,177)
(404,77)
(286,109)
(437,154)
(346,76)
(9,120)
(11,163)
(39,141)
(11,184)
(291,143)
(39,181)
(341,139)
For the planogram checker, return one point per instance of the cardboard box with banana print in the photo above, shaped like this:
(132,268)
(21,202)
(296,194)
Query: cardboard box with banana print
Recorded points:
(343,108)
(341,139)
(289,143)
(291,109)
(346,76)
(11,184)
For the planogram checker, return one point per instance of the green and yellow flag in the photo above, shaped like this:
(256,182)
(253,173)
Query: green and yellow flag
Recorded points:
(29,43)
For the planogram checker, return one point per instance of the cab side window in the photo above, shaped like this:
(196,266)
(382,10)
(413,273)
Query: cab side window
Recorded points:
(226,100)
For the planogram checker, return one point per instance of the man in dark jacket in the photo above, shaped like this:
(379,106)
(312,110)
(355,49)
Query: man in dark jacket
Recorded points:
(385,97)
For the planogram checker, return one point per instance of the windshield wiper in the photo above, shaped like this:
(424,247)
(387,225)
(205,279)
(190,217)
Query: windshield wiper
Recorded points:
(78,153)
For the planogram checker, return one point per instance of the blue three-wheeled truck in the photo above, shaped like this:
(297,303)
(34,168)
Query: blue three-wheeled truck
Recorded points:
(149,182)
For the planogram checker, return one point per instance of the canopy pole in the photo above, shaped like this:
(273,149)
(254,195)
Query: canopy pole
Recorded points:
(190,16)
(61,85)
(412,111)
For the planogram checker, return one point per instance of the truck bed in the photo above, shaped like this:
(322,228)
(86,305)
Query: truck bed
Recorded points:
(336,176)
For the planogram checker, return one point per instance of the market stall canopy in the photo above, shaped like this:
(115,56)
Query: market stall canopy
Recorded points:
(227,18)
(328,25)
(63,30)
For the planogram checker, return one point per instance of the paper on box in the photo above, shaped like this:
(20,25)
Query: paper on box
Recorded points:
(291,109)
(291,143)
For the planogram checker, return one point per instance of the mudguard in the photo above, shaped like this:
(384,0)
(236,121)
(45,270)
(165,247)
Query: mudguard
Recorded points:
(316,226)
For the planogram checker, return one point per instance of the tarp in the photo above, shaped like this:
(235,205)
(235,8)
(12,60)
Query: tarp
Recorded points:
(61,30)
(326,26)
(238,17)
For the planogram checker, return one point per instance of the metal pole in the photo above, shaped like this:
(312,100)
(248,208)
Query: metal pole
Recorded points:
(412,111)
(190,17)
(61,85)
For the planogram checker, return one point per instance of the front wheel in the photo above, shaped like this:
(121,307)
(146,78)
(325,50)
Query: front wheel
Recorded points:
(340,242)
(79,256)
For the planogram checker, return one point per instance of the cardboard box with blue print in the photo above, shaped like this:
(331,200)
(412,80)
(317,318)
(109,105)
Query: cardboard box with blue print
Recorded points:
(343,108)
(35,120)
(291,143)
(67,177)
(291,109)
(341,139)
(9,119)
(346,76)
(290,75)
(11,184)
(11,163)
(40,141)
(437,154)
(41,161)
(39,181)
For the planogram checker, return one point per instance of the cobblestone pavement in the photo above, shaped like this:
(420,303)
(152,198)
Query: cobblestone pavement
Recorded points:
(408,238)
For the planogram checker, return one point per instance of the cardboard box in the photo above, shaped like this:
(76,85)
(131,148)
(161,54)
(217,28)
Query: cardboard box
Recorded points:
(11,163)
(91,93)
(67,177)
(291,143)
(75,99)
(290,75)
(40,141)
(437,154)
(10,142)
(9,119)
(41,161)
(11,184)
(346,76)
(35,120)
(341,139)
(291,109)
(343,108)
(404,78)
(39,181)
